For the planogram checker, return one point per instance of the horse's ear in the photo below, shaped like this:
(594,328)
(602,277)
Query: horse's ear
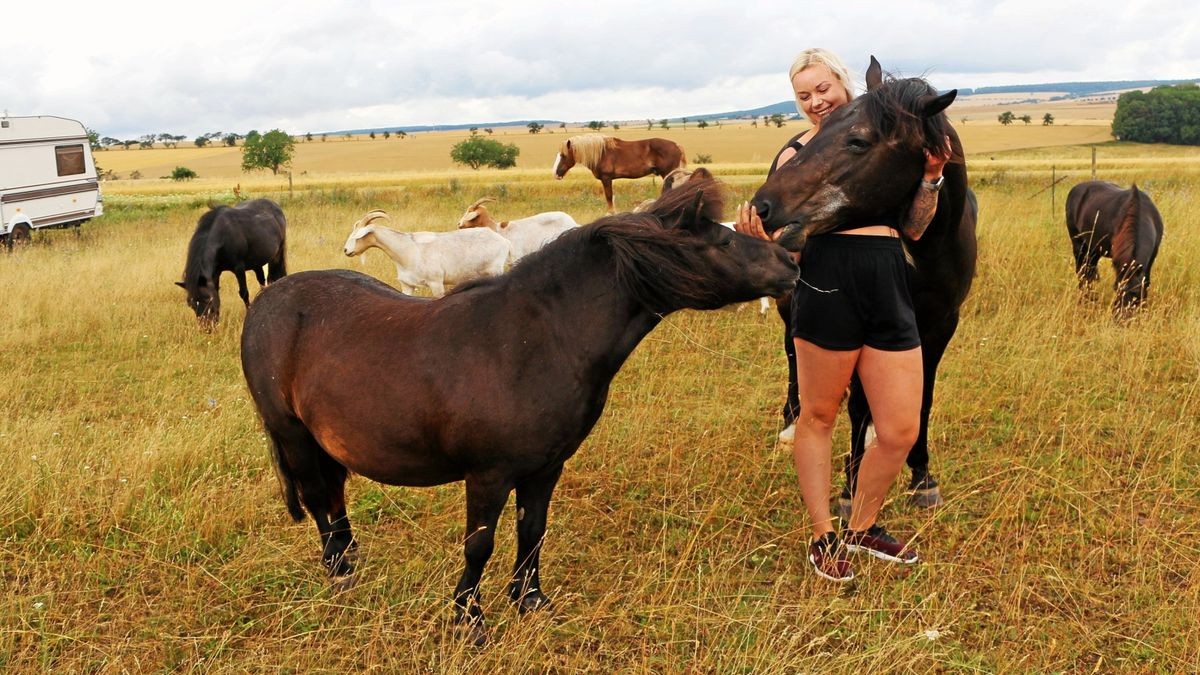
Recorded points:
(932,105)
(181,285)
(874,74)
(691,213)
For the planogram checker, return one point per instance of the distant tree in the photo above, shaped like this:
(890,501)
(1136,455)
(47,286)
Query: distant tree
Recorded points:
(754,122)
(271,150)
(201,141)
(324,137)
(664,124)
(534,127)
(1006,118)
(93,139)
(1047,119)
(109,141)
(596,125)
(964,119)
(616,126)
(348,135)
(487,130)
(127,144)
(478,151)
(649,124)
(308,137)
(1026,119)
(777,119)
(372,135)
(401,134)
(1168,114)
(685,121)
(562,125)
(387,135)
(474,130)
(182,173)
(702,158)
(230,140)
(702,124)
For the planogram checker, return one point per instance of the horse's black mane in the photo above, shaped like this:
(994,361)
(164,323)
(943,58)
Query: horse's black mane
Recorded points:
(653,256)
(894,109)
(192,268)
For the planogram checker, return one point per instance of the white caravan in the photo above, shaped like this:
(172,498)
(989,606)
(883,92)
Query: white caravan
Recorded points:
(47,176)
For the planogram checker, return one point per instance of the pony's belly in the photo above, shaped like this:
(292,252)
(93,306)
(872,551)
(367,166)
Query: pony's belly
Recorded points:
(398,463)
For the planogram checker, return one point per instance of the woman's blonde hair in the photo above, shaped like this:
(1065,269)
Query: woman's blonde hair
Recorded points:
(824,57)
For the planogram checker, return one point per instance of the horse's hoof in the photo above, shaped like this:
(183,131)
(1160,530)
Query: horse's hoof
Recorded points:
(532,602)
(788,435)
(343,583)
(471,631)
(928,498)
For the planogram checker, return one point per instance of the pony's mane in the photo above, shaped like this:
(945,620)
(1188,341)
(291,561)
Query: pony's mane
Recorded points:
(894,108)
(192,267)
(587,149)
(654,257)
(1124,237)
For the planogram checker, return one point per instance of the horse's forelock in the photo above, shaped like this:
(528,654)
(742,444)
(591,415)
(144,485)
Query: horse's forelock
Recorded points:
(656,265)
(673,202)
(895,109)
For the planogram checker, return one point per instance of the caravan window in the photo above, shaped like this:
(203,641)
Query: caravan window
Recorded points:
(69,158)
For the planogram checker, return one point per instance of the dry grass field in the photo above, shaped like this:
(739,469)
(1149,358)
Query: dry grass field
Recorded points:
(141,528)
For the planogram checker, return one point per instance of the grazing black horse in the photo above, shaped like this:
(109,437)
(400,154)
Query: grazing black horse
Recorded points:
(865,166)
(235,239)
(497,383)
(1106,220)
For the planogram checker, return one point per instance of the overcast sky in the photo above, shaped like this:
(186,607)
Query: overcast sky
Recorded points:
(129,68)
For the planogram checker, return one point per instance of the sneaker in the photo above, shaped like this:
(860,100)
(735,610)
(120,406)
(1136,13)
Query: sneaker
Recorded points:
(828,557)
(877,542)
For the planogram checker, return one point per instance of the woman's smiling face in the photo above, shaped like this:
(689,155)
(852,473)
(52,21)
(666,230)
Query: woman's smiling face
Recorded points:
(819,92)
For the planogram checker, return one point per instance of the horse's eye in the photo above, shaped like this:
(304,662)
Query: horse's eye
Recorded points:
(858,144)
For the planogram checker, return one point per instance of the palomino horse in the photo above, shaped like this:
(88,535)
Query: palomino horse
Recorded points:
(865,166)
(1105,220)
(235,239)
(609,157)
(497,384)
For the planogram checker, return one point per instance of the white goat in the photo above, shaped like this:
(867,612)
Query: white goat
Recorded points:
(526,235)
(432,259)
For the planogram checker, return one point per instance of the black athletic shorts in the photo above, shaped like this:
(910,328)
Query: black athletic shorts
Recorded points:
(853,291)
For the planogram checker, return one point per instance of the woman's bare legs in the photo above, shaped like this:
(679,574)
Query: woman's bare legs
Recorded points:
(892,382)
(825,376)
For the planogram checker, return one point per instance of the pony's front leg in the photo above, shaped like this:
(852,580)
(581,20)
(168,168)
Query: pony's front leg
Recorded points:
(485,500)
(243,292)
(608,195)
(533,503)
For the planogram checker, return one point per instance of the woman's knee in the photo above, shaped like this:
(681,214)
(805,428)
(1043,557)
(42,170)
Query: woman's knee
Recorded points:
(897,437)
(818,416)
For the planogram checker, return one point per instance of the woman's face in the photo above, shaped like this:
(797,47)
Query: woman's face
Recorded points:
(819,91)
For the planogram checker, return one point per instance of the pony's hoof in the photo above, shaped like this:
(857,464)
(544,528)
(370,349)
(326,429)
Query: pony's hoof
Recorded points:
(927,498)
(788,435)
(844,510)
(343,583)
(532,602)
(471,631)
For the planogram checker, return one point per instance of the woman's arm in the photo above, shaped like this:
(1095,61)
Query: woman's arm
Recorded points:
(924,205)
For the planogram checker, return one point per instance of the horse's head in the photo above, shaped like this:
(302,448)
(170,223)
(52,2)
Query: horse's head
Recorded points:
(565,159)
(864,165)
(204,299)
(689,260)
(1134,242)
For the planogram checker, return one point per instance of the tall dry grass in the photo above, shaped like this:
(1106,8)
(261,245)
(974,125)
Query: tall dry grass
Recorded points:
(140,527)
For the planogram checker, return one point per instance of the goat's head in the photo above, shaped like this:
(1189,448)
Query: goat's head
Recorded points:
(359,240)
(476,215)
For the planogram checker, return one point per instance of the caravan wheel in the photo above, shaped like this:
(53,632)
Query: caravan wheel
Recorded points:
(19,236)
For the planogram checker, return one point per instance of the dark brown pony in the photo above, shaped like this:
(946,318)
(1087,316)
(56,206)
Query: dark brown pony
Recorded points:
(235,239)
(1105,220)
(610,158)
(497,383)
(865,167)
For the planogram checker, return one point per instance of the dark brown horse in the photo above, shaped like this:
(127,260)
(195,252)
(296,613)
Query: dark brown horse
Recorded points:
(610,158)
(865,167)
(235,239)
(1105,220)
(497,384)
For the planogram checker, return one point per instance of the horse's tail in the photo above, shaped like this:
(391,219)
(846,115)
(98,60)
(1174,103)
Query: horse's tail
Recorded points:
(682,156)
(287,483)
(1124,237)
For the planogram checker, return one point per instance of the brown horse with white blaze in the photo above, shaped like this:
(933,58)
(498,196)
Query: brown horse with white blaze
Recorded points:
(609,157)
(1106,220)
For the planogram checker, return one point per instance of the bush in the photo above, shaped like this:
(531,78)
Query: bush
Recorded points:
(478,151)
(703,159)
(1161,115)
(182,173)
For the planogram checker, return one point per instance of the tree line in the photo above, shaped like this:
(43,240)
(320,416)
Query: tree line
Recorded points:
(1162,115)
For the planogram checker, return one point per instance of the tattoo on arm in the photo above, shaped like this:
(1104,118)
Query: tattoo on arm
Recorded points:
(920,214)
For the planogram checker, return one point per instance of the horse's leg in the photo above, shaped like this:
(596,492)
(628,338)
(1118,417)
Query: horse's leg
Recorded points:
(243,292)
(340,546)
(791,405)
(533,502)
(485,500)
(277,267)
(608,195)
(924,489)
(258,275)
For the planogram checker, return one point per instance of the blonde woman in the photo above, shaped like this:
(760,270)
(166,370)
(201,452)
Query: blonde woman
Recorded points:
(852,313)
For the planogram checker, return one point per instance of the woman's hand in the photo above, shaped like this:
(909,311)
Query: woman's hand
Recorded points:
(935,162)
(749,223)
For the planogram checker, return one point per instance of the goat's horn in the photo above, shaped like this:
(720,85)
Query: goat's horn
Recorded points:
(480,202)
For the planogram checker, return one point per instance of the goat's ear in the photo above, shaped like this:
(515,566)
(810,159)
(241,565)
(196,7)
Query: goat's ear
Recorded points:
(932,105)
(470,216)
(874,74)
(181,284)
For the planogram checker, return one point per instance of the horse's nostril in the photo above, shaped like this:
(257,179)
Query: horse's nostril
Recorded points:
(763,207)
